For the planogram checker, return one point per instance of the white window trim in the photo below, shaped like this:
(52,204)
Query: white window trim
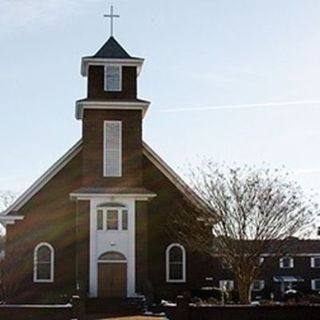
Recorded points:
(35,264)
(222,284)
(120,215)
(291,263)
(124,260)
(105,147)
(168,263)
(312,262)
(313,284)
(261,285)
(105,77)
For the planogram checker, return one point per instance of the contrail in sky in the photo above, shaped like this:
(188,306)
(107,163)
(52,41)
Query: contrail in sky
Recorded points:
(244,106)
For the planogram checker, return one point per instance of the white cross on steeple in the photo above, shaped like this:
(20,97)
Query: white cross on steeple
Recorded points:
(111,16)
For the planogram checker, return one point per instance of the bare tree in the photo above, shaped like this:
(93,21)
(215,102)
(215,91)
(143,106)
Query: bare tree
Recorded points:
(246,212)
(6,198)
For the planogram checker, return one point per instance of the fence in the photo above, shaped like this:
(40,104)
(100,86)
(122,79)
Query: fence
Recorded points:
(185,311)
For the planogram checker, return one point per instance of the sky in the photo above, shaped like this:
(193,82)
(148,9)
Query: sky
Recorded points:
(235,81)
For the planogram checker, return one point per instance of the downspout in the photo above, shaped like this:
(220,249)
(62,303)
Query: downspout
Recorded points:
(77,247)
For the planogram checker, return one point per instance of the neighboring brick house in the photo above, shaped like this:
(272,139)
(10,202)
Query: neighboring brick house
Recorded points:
(298,267)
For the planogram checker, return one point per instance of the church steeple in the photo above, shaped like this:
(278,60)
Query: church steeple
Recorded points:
(112,76)
(111,115)
(111,63)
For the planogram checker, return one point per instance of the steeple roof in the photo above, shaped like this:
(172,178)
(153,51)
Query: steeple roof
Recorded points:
(112,50)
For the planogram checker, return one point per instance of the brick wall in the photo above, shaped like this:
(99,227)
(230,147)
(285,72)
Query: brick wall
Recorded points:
(96,84)
(93,148)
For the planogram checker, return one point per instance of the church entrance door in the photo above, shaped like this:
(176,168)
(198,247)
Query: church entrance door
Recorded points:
(112,275)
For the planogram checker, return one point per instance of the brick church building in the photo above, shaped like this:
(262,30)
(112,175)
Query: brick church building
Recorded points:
(96,220)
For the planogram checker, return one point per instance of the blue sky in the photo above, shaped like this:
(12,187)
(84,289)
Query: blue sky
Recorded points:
(237,81)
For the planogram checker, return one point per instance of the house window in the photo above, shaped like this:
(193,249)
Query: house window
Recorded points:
(112,217)
(112,150)
(226,285)
(315,262)
(175,263)
(112,78)
(315,284)
(286,263)
(257,285)
(43,263)
(260,261)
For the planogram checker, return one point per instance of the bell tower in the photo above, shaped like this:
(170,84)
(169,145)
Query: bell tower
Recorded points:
(112,117)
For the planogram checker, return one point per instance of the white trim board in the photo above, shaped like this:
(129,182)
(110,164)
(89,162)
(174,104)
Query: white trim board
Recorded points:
(45,178)
(81,105)
(88,196)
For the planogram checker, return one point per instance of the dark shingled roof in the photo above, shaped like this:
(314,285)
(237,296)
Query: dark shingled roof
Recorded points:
(112,50)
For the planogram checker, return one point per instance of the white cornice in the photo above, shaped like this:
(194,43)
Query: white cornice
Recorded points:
(5,220)
(81,105)
(44,179)
(89,196)
(90,61)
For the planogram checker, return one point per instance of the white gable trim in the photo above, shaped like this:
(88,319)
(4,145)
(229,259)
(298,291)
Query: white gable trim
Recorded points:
(45,178)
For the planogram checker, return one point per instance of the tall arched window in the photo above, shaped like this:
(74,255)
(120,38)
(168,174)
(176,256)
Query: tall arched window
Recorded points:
(43,259)
(175,263)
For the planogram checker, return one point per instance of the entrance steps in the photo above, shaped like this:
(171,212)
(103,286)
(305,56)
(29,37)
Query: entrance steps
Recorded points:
(111,307)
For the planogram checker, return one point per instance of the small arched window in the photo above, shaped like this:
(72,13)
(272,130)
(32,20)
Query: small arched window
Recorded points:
(43,263)
(175,263)
(112,256)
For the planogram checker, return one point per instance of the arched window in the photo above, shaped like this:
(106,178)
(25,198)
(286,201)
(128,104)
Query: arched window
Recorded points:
(43,263)
(112,256)
(175,263)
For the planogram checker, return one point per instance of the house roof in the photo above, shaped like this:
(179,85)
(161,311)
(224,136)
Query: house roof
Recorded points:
(291,246)
(112,50)
(72,152)
(296,246)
